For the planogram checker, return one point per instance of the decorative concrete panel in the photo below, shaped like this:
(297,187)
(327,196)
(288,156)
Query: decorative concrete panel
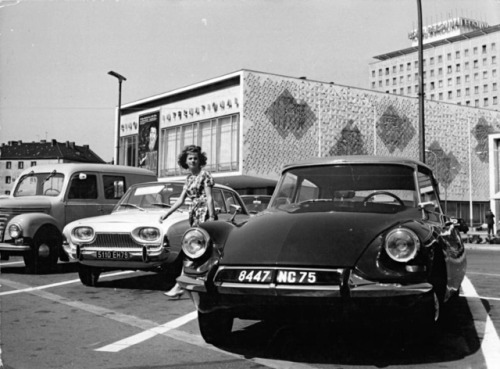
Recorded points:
(290,119)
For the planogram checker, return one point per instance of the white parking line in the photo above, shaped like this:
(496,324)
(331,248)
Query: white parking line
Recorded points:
(143,336)
(490,343)
(59,284)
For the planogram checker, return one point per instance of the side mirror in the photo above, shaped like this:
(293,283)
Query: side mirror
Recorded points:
(82,176)
(237,209)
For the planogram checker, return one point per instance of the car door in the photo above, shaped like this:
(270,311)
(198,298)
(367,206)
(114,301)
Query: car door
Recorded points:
(82,199)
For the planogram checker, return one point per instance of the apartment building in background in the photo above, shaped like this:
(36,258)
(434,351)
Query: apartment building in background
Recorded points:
(15,156)
(461,63)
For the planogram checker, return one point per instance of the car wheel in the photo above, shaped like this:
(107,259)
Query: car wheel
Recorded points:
(89,276)
(215,327)
(44,252)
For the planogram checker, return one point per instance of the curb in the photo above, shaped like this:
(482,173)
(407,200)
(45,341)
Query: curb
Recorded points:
(487,247)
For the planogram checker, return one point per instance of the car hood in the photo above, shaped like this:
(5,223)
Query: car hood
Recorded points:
(125,221)
(27,204)
(313,239)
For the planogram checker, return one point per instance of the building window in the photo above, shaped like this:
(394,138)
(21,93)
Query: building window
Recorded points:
(476,76)
(449,82)
(440,83)
(474,51)
(467,78)
(450,95)
(485,74)
(416,64)
(440,96)
(493,59)
(484,49)
(485,101)
(387,82)
(467,103)
(8,165)
(432,96)
(449,70)
(494,86)
(401,79)
(20,165)
(459,93)
(129,148)
(485,62)
(458,80)
(494,73)
(485,88)
(373,85)
(33,163)
(380,72)
(380,83)
(432,72)
(387,71)
(457,68)
(408,78)
(466,52)
(373,74)
(393,69)
(432,86)
(8,179)
(457,54)
(467,91)
(218,138)
(476,90)
(448,56)
(408,66)
(401,67)
(401,91)
(493,46)
(495,100)
(431,61)
(476,64)
(416,76)
(476,103)
(466,66)
(440,71)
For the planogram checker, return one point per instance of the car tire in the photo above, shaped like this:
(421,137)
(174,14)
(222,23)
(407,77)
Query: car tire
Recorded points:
(44,252)
(215,327)
(89,276)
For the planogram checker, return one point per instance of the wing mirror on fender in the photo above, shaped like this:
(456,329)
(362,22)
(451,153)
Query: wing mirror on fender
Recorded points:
(426,207)
(237,210)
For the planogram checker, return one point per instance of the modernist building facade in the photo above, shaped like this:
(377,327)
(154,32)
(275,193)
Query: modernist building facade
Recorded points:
(15,156)
(461,62)
(251,123)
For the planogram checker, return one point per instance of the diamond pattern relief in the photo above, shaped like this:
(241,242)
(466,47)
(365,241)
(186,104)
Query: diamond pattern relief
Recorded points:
(395,131)
(445,165)
(350,142)
(481,132)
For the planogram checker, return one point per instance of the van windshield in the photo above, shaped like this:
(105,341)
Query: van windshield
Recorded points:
(40,184)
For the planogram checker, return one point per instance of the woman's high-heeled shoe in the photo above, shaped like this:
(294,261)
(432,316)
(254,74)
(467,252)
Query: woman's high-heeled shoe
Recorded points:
(175,292)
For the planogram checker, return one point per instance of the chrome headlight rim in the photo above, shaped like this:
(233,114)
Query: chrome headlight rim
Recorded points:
(195,234)
(147,234)
(77,234)
(15,230)
(401,244)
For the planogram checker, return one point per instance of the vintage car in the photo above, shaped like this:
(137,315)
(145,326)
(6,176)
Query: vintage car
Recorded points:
(132,237)
(256,203)
(341,238)
(47,197)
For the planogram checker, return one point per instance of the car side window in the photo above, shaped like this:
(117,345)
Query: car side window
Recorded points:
(230,200)
(114,186)
(219,204)
(83,186)
(428,193)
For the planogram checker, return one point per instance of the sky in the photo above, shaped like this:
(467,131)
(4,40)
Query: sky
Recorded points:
(55,55)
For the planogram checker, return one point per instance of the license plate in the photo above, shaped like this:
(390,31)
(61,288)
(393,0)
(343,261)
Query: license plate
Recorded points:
(254,276)
(122,255)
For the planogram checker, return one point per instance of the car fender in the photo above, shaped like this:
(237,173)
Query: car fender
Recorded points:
(31,223)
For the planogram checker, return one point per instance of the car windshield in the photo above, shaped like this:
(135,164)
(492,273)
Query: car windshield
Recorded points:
(346,187)
(39,184)
(256,203)
(159,196)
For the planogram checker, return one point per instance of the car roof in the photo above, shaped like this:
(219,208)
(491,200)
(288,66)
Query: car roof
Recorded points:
(356,159)
(216,185)
(72,167)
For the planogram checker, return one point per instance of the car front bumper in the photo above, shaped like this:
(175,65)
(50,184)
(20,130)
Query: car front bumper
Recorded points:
(273,301)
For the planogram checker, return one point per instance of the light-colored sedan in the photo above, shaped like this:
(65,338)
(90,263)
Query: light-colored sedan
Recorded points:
(132,237)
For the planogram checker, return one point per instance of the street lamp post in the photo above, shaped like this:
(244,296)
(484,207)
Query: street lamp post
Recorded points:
(120,80)
(421,119)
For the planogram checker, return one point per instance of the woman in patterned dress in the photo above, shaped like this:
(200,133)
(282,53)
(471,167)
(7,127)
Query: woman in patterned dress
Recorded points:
(198,188)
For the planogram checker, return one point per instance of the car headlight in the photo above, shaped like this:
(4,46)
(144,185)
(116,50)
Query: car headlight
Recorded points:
(15,231)
(195,242)
(83,234)
(401,244)
(149,234)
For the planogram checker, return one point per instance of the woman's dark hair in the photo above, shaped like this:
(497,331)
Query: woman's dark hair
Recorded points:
(191,149)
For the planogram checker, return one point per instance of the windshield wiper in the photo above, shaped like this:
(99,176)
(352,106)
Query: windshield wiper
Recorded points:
(161,205)
(131,206)
(52,174)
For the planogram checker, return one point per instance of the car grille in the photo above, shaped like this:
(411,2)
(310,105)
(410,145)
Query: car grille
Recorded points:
(110,241)
(7,214)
